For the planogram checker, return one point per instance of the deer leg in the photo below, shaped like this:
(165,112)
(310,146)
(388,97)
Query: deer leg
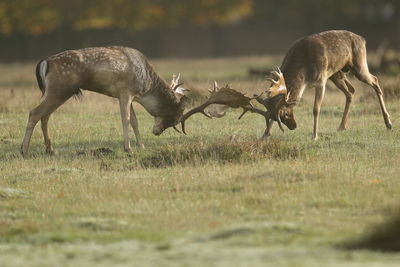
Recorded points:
(378,91)
(41,112)
(373,82)
(33,119)
(124,103)
(47,141)
(135,126)
(319,95)
(339,79)
(362,73)
(267,132)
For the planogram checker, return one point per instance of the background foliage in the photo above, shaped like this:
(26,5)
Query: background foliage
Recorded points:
(31,29)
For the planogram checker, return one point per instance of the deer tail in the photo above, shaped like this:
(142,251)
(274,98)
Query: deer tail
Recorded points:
(41,71)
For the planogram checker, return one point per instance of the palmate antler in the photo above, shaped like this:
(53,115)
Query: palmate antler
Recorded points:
(224,96)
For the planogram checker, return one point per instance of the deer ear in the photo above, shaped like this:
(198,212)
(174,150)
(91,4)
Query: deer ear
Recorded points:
(180,90)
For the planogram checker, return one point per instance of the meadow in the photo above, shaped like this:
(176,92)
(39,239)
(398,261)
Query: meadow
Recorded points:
(218,196)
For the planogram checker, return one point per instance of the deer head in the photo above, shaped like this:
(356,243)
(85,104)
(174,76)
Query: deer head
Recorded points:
(161,123)
(223,96)
(277,103)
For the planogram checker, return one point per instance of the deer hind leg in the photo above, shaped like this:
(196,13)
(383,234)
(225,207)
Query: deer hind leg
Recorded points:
(47,141)
(341,82)
(42,112)
(362,73)
(135,126)
(125,103)
(319,95)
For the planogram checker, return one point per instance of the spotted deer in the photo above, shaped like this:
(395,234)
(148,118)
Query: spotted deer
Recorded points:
(119,72)
(310,63)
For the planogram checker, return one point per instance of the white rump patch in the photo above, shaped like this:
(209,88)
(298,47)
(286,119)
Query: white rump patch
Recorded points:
(42,73)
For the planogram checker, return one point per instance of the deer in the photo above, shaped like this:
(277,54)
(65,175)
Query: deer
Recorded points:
(310,62)
(119,72)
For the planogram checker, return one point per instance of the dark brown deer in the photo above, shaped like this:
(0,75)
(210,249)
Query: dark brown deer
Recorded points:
(119,72)
(310,63)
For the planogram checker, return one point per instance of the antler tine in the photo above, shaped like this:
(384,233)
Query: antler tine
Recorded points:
(216,87)
(176,129)
(272,80)
(252,109)
(277,74)
(199,109)
(176,86)
(280,123)
(175,81)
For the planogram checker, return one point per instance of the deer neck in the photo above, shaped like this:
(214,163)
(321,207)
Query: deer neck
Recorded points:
(160,100)
(295,87)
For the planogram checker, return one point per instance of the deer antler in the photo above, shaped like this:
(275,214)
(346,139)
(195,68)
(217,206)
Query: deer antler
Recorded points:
(276,96)
(278,86)
(224,96)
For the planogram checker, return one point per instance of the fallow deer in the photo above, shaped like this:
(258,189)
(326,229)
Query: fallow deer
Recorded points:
(119,72)
(310,63)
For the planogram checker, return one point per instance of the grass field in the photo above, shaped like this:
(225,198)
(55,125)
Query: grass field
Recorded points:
(216,197)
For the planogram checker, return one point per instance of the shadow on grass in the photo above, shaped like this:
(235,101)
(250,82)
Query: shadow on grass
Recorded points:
(384,237)
(194,152)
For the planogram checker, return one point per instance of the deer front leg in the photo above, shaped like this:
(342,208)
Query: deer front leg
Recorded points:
(267,132)
(124,103)
(319,95)
(135,126)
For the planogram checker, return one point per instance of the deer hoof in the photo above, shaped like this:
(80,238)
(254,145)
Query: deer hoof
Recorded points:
(264,137)
(24,153)
(50,152)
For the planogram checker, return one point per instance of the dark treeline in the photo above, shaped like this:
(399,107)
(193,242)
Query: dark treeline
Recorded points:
(31,29)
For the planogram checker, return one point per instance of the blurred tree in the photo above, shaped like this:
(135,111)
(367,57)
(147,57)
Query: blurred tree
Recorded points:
(41,16)
(61,20)
(26,16)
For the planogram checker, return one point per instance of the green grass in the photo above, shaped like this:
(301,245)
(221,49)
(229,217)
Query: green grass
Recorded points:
(218,196)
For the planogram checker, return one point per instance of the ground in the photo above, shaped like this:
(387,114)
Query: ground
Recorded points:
(216,197)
